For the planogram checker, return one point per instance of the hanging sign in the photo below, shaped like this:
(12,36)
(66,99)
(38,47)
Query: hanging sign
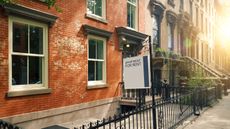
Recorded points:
(136,72)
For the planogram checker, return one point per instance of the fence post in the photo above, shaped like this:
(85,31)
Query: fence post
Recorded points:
(206,96)
(193,102)
(219,91)
(225,81)
(216,92)
(167,93)
(196,102)
(152,84)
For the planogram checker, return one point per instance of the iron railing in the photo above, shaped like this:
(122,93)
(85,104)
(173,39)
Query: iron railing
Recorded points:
(7,125)
(176,105)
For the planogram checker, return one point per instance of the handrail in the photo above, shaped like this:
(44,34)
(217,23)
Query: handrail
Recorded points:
(212,69)
(204,66)
(219,68)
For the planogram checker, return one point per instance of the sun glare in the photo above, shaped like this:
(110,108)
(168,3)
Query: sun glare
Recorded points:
(224,32)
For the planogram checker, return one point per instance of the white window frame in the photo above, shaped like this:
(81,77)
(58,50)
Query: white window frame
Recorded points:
(44,84)
(136,14)
(103,10)
(103,81)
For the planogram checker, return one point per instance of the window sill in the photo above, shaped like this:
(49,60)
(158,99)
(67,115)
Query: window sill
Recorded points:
(130,28)
(28,92)
(98,86)
(96,18)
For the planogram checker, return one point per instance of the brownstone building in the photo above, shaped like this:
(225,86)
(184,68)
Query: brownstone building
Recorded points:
(58,67)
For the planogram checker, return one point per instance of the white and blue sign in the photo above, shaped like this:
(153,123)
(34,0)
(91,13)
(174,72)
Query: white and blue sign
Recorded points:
(136,72)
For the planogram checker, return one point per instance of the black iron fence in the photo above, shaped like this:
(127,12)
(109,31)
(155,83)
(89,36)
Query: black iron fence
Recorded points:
(7,125)
(176,104)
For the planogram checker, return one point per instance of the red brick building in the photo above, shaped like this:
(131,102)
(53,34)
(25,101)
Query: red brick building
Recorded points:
(58,67)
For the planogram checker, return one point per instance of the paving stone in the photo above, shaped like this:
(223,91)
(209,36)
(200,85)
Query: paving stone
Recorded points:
(217,117)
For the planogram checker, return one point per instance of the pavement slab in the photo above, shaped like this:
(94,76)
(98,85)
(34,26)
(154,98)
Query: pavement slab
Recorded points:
(217,117)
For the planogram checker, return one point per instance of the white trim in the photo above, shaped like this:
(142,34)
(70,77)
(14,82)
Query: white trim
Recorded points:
(44,55)
(29,54)
(103,81)
(99,60)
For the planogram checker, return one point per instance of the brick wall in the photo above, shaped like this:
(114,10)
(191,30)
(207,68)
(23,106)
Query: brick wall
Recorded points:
(67,57)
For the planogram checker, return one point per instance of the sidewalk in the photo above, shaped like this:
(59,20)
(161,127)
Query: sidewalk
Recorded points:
(217,117)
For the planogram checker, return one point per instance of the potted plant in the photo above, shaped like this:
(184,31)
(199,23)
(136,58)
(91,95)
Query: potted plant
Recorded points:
(178,55)
(159,52)
(174,55)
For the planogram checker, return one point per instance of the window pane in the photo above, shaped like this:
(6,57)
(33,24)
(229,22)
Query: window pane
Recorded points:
(90,6)
(94,7)
(132,1)
(128,15)
(131,17)
(19,70)
(155,30)
(20,37)
(99,73)
(92,49)
(169,37)
(100,49)
(91,70)
(35,70)
(95,70)
(98,7)
(36,40)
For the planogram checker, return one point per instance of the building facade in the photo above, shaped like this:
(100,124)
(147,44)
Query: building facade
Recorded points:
(185,27)
(222,41)
(59,67)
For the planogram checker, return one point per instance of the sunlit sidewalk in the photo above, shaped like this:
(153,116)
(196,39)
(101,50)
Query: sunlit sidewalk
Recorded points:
(217,117)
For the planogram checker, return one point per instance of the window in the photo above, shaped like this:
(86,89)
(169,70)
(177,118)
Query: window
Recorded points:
(202,22)
(197,17)
(28,54)
(155,30)
(206,5)
(170,42)
(96,61)
(171,3)
(132,14)
(96,7)
(206,26)
(191,9)
(181,5)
